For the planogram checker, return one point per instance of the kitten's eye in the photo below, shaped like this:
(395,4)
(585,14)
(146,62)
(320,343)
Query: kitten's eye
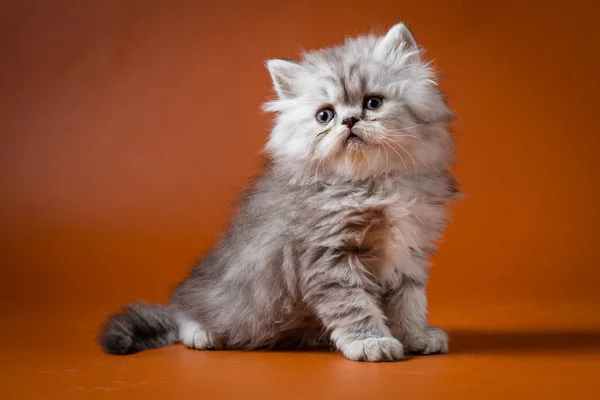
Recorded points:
(325,115)
(373,103)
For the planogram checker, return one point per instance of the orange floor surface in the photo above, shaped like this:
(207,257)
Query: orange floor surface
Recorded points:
(518,352)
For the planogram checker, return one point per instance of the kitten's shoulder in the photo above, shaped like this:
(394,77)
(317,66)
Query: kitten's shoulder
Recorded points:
(270,189)
(439,186)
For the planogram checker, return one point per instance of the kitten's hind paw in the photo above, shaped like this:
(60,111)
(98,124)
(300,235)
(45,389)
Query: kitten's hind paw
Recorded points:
(374,349)
(194,337)
(428,341)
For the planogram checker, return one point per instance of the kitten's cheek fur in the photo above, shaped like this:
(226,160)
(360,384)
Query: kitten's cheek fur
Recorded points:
(374,350)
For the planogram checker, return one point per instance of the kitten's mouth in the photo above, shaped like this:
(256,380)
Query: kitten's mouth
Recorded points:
(354,139)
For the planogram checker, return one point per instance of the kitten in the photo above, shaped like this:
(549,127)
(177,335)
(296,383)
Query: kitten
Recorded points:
(331,244)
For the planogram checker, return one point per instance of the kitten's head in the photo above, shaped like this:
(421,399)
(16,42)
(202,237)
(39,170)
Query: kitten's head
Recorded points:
(367,107)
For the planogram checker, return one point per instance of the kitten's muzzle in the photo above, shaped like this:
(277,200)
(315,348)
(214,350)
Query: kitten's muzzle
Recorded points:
(354,138)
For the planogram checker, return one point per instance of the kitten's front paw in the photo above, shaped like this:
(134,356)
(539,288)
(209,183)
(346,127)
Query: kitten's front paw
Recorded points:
(374,350)
(428,341)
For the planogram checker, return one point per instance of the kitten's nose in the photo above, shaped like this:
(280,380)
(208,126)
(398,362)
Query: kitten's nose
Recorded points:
(349,122)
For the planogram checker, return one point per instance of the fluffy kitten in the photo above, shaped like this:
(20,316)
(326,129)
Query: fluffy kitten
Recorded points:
(331,244)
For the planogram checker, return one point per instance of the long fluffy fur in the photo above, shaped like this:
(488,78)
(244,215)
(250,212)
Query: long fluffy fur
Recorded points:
(331,244)
(138,327)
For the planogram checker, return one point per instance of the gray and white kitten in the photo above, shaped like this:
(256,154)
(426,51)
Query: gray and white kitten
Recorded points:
(331,244)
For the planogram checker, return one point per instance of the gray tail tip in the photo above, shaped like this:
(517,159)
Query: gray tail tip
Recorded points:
(117,335)
(136,328)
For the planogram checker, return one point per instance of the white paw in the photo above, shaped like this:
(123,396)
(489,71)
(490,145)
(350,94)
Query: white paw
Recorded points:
(428,341)
(374,350)
(193,336)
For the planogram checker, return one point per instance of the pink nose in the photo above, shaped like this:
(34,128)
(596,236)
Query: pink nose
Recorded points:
(349,122)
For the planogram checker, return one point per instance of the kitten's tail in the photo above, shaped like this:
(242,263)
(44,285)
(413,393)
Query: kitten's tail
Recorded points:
(138,327)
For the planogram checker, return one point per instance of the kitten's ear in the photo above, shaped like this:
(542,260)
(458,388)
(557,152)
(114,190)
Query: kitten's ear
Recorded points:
(285,75)
(398,39)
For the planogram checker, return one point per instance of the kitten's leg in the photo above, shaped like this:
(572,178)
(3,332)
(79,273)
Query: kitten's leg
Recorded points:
(304,338)
(193,336)
(406,309)
(338,293)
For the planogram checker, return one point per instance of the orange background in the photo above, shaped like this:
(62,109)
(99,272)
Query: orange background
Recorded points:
(127,128)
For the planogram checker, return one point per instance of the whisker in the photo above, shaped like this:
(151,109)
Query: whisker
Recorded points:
(390,133)
(411,158)
(396,151)
(317,170)
(369,165)
(387,161)
(312,161)
(406,127)
(391,142)
(415,126)
(408,136)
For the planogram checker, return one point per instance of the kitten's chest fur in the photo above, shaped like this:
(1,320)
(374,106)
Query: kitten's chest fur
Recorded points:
(390,224)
